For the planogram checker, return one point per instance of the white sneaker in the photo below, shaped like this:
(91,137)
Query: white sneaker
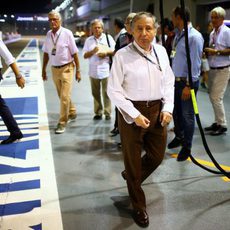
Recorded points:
(60,129)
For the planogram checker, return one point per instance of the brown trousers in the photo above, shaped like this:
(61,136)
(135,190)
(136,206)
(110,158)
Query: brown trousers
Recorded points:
(63,80)
(134,139)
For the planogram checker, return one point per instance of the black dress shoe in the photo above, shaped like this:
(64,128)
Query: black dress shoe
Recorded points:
(97,117)
(124,175)
(12,138)
(114,131)
(221,130)
(212,127)
(176,142)
(183,154)
(141,218)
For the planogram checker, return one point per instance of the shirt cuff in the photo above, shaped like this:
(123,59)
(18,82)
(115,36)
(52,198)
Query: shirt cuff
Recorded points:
(129,118)
(167,108)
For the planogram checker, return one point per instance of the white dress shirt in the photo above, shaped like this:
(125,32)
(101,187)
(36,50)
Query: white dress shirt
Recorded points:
(5,54)
(65,46)
(220,40)
(137,79)
(98,67)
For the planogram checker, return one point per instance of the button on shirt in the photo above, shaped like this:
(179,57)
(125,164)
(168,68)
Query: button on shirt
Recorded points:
(5,54)
(98,67)
(65,46)
(179,62)
(137,79)
(220,40)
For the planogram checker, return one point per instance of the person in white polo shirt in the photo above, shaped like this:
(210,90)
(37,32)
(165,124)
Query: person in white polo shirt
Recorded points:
(99,48)
(218,54)
(60,48)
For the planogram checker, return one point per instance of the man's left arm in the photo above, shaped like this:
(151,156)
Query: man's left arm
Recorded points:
(109,53)
(168,103)
(196,44)
(73,50)
(77,64)
(196,50)
(112,46)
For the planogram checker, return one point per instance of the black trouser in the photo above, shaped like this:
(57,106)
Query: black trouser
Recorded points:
(8,118)
(116,118)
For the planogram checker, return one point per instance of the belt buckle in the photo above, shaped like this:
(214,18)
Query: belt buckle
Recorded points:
(147,104)
(177,79)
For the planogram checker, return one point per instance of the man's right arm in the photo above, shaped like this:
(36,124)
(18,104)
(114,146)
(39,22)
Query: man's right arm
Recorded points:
(91,52)
(45,62)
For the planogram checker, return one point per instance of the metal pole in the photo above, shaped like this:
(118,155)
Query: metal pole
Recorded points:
(131,6)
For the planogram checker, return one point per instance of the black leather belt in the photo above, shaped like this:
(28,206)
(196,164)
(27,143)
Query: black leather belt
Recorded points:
(220,67)
(181,79)
(146,103)
(60,66)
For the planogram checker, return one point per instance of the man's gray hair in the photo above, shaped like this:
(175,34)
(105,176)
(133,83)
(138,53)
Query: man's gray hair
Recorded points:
(95,21)
(55,13)
(219,11)
(144,15)
(130,17)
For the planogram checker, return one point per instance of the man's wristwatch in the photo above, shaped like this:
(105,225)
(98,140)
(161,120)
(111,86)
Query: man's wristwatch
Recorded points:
(19,76)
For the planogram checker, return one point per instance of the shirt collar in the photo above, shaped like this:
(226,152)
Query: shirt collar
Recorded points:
(179,33)
(219,29)
(122,31)
(98,39)
(142,50)
(58,32)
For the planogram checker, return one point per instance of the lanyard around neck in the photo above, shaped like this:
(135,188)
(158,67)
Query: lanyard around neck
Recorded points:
(55,42)
(177,39)
(148,59)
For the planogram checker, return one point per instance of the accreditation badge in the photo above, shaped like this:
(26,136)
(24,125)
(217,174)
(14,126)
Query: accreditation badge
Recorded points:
(173,54)
(53,52)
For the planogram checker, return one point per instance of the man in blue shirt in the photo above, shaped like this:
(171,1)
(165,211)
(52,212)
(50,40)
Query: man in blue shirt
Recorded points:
(183,113)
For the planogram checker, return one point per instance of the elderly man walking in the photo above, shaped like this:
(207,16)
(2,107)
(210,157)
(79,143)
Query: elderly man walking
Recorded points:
(144,97)
(61,50)
(219,61)
(98,48)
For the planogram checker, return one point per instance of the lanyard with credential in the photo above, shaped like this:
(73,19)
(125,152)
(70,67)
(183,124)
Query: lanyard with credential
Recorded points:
(53,52)
(177,40)
(148,59)
(175,43)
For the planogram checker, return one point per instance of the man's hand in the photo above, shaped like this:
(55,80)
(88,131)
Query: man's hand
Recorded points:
(210,51)
(102,54)
(20,82)
(78,76)
(142,121)
(165,118)
(95,50)
(44,76)
(186,94)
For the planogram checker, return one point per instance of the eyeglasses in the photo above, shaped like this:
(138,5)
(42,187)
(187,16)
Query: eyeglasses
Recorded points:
(53,19)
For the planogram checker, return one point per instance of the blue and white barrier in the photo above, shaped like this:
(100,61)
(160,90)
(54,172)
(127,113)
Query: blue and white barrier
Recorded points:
(28,189)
